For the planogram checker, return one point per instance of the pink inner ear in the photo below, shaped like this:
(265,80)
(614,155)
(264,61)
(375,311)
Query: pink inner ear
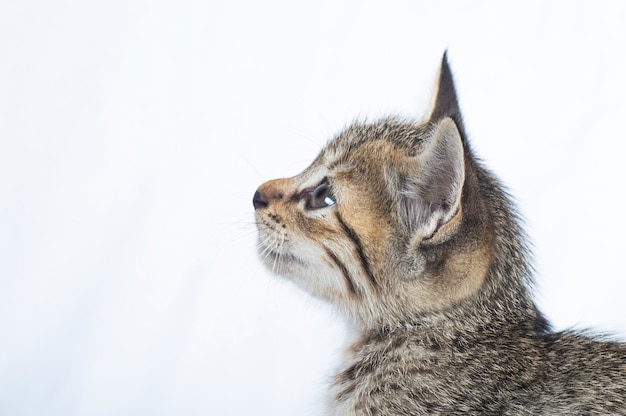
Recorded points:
(432,192)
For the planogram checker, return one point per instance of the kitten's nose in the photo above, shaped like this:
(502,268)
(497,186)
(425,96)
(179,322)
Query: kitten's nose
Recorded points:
(270,192)
(259,200)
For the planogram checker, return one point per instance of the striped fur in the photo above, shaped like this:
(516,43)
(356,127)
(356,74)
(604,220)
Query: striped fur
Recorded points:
(398,225)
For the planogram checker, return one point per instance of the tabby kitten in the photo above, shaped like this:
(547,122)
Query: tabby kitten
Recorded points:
(399,226)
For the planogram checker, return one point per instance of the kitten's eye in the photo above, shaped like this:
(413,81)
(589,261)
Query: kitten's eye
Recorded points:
(321,197)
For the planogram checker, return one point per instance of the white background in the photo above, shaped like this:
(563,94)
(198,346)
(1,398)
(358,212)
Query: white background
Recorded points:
(133,135)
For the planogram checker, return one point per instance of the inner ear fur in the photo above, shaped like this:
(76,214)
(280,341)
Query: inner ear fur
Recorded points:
(432,194)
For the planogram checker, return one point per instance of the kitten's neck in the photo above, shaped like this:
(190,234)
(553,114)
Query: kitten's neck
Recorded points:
(506,293)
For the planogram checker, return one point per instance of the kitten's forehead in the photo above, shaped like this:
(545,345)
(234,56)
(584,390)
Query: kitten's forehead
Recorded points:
(392,132)
(361,143)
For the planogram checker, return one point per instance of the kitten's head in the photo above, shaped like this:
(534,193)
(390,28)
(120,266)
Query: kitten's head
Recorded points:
(387,223)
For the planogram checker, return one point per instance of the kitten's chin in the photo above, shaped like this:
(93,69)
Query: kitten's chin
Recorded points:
(307,275)
(281,263)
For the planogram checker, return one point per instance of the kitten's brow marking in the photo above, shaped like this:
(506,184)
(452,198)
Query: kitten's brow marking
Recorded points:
(359,249)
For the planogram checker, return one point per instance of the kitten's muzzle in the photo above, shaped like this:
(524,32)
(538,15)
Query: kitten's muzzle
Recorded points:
(270,192)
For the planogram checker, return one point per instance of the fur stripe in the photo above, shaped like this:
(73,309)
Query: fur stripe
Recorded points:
(359,249)
(344,270)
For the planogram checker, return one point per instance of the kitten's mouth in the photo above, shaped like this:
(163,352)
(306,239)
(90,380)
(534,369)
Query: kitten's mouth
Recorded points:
(274,258)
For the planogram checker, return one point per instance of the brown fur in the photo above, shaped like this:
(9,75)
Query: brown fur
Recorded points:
(398,225)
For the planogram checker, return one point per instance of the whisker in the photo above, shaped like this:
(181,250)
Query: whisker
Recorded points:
(266,249)
(245,235)
(276,257)
(239,222)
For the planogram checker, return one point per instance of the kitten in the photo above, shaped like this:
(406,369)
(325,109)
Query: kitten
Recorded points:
(398,225)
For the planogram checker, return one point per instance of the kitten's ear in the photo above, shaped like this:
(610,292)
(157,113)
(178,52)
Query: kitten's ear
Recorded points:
(445,102)
(432,196)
